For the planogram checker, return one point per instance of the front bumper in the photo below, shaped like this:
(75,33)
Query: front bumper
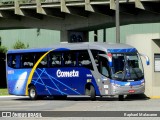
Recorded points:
(126,90)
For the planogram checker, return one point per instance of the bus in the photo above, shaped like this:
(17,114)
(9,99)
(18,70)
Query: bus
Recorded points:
(92,69)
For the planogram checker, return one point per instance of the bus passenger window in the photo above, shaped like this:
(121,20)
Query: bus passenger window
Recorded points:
(55,59)
(69,59)
(43,62)
(14,61)
(95,54)
(84,60)
(11,61)
(27,60)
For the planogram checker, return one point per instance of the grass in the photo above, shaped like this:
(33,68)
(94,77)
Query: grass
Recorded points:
(3,91)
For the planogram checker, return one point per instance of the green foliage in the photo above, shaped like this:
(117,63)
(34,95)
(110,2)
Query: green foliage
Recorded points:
(42,0)
(3,49)
(3,92)
(20,45)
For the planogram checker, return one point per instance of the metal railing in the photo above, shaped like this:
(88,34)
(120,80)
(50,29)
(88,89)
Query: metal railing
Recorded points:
(26,1)
(34,1)
(11,2)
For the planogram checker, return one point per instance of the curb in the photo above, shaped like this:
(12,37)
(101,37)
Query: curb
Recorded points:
(154,97)
(10,96)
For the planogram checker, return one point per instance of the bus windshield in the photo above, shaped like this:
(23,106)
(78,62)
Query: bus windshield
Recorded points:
(126,67)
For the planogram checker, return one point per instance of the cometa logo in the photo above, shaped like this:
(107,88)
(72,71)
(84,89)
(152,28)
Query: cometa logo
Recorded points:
(72,73)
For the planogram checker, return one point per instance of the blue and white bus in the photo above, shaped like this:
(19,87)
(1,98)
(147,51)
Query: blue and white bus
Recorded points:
(93,69)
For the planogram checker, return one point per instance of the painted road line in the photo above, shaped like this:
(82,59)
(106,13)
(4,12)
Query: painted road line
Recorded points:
(12,96)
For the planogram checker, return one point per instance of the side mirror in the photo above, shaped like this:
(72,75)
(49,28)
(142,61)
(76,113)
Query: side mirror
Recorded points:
(146,57)
(109,57)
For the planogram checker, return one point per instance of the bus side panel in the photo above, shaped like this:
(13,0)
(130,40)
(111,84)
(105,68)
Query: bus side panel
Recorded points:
(17,80)
(63,81)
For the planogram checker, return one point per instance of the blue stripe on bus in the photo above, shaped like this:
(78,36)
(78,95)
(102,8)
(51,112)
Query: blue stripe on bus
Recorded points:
(122,83)
(122,50)
(50,87)
(47,82)
(52,80)
(36,50)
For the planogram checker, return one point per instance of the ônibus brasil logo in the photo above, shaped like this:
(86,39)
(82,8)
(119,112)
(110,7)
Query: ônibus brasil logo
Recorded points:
(72,73)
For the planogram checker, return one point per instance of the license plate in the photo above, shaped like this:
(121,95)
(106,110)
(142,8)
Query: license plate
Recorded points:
(131,91)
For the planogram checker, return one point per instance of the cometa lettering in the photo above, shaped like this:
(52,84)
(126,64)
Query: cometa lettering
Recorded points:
(72,73)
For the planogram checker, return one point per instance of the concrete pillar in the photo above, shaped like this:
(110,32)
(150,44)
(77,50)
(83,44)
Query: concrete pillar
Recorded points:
(86,36)
(104,35)
(64,36)
(95,36)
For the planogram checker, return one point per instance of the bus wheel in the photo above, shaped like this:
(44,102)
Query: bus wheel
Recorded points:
(121,97)
(92,93)
(32,93)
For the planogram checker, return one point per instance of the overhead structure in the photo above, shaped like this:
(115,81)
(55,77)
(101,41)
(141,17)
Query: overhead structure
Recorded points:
(75,15)
(82,8)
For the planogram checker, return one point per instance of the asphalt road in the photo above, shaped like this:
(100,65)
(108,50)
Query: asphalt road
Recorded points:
(22,104)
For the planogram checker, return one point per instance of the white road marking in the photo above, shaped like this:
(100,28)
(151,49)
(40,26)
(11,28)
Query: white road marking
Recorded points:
(12,96)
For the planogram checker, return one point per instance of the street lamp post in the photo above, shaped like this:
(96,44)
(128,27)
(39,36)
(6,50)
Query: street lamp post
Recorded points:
(117,22)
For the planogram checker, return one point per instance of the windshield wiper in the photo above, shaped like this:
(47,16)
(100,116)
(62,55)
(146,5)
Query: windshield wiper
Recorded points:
(135,73)
(125,70)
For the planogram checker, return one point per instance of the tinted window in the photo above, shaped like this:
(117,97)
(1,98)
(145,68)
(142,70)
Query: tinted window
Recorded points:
(27,60)
(11,60)
(14,60)
(70,58)
(55,59)
(43,62)
(84,60)
(95,55)
(103,66)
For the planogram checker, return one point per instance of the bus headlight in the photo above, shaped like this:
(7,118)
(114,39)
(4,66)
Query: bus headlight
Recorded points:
(142,84)
(115,85)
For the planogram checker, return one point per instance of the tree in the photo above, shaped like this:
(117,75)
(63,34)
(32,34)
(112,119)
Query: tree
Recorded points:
(20,45)
(3,49)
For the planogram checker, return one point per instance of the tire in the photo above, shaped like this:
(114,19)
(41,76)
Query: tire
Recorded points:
(92,93)
(121,97)
(32,93)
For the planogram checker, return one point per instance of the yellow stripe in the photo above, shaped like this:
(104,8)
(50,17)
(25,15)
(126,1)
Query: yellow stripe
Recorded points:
(155,97)
(33,69)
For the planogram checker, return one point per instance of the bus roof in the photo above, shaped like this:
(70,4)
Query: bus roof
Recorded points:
(108,47)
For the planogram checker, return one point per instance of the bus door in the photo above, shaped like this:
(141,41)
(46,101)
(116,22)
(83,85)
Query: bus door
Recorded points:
(104,71)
